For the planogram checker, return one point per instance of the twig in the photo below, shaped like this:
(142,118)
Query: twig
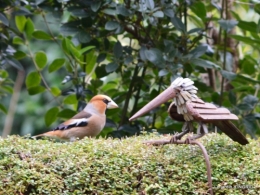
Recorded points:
(13,102)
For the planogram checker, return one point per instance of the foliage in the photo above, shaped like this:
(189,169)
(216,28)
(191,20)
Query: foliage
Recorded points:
(132,50)
(113,166)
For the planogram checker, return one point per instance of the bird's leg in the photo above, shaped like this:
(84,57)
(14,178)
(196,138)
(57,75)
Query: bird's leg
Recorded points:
(186,128)
(201,131)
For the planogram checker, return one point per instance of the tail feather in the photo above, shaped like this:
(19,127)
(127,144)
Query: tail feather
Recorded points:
(231,130)
(37,136)
(51,134)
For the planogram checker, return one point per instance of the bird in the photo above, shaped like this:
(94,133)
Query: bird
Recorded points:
(89,122)
(188,107)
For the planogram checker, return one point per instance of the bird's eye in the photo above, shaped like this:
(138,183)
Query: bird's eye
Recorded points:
(106,101)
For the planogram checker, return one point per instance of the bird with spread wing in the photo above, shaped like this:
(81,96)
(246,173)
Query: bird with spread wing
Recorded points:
(188,107)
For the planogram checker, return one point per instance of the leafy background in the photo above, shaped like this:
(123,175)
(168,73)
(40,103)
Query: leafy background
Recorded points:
(55,55)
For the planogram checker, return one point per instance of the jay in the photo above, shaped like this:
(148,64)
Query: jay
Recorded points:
(89,122)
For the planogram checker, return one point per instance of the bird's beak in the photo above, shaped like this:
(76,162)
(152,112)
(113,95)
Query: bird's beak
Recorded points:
(112,105)
(166,95)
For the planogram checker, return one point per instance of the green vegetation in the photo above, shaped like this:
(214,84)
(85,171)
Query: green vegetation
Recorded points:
(114,166)
(69,51)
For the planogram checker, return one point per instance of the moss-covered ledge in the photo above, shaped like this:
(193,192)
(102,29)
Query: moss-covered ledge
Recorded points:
(112,166)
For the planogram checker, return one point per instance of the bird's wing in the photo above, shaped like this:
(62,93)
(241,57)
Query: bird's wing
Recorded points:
(208,112)
(231,130)
(79,120)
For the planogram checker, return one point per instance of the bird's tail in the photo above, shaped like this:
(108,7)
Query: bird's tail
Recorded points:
(231,130)
(37,136)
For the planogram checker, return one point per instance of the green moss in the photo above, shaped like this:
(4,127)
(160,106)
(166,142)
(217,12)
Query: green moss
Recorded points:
(112,166)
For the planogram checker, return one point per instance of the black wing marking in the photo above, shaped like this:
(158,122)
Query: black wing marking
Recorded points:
(77,123)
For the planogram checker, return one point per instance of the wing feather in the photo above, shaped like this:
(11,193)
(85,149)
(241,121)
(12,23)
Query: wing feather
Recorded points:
(72,123)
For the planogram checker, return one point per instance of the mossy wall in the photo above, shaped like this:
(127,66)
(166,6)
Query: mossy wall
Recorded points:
(127,166)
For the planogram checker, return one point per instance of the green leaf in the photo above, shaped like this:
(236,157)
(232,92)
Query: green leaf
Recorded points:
(178,24)
(7,88)
(70,28)
(249,122)
(19,55)
(200,10)
(38,34)
(248,65)
(22,11)
(55,91)
(111,25)
(40,59)
(4,110)
(95,5)
(51,116)
(227,24)
(158,14)
(91,64)
(33,79)
(79,12)
(232,97)
(150,4)
(248,26)
(118,50)
(169,13)
(85,49)
(198,51)
(163,72)
(20,22)
(15,63)
(111,67)
(121,9)
(128,60)
(101,57)
(18,40)
(66,113)
(35,90)
(29,27)
(74,51)
(70,99)
(66,45)
(228,75)
(4,20)
(4,74)
(111,12)
(83,37)
(205,63)
(258,26)
(56,64)
(246,78)
(153,55)
(101,71)
(257,8)
(247,40)
(249,102)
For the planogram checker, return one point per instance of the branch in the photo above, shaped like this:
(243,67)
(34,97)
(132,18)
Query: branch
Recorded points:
(13,102)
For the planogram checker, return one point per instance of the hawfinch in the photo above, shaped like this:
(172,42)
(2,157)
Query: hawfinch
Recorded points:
(89,122)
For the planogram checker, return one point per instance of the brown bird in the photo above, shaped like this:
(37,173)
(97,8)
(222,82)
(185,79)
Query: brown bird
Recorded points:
(188,107)
(89,122)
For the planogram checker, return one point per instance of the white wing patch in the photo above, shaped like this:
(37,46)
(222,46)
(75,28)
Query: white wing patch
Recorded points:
(73,123)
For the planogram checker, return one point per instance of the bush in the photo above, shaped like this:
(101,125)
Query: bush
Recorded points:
(127,166)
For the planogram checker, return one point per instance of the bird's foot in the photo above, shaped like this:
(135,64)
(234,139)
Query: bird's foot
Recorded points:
(174,138)
(188,140)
